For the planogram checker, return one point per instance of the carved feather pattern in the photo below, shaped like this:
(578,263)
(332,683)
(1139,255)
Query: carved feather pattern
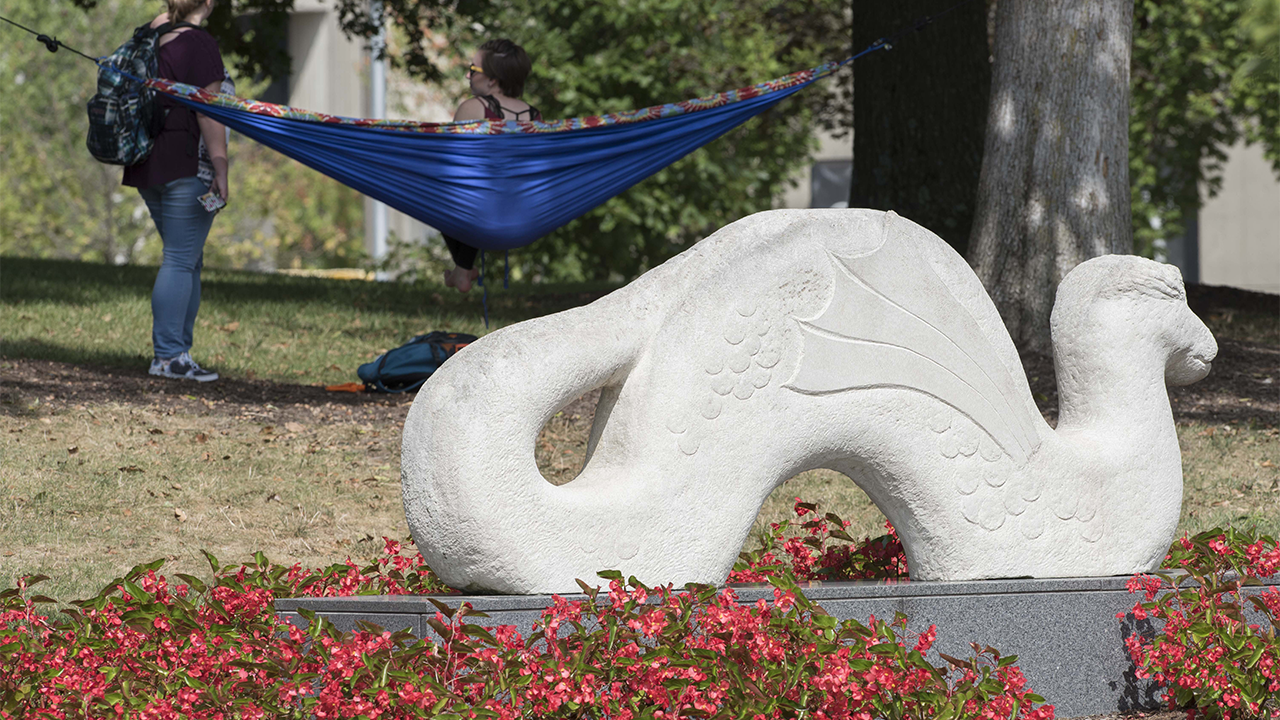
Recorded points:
(893,323)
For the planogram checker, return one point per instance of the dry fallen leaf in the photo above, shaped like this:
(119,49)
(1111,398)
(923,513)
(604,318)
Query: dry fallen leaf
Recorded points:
(176,486)
(130,469)
(274,498)
(127,512)
(73,450)
(180,514)
(155,431)
(202,438)
(231,326)
(267,430)
(294,427)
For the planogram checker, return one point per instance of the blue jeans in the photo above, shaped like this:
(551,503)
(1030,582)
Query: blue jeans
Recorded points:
(184,225)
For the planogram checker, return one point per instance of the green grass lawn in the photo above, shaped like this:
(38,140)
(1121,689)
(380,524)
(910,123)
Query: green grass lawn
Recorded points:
(251,325)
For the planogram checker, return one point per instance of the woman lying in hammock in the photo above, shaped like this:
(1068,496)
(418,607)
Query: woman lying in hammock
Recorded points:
(497,74)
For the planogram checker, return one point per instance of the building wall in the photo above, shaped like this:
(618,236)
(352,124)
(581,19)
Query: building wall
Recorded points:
(1239,229)
(331,75)
(833,165)
(329,71)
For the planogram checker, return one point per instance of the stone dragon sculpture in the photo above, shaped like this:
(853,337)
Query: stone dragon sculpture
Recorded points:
(852,340)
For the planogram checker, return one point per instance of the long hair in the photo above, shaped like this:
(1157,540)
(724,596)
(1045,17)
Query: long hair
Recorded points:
(180,9)
(506,62)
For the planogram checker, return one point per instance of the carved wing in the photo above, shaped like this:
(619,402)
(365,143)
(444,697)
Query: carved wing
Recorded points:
(893,323)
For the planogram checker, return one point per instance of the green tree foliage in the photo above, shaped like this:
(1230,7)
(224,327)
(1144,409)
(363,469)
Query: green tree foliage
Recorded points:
(593,58)
(1201,81)
(1261,25)
(252,34)
(56,201)
(59,202)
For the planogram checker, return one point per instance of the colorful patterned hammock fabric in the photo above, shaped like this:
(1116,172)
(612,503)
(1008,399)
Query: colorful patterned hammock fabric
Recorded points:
(495,184)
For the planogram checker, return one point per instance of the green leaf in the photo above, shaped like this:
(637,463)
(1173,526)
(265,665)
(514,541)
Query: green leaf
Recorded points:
(480,632)
(444,609)
(213,561)
(193,582)
(441,629)
(1201,630)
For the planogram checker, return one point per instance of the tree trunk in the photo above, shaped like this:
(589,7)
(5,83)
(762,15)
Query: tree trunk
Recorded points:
(1054,189)
(919,112)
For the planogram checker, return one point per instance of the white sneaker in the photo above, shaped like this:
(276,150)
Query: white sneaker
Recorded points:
(182,368)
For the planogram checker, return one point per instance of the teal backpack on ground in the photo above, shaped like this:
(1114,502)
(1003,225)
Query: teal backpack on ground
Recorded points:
(407,367)
(124,117)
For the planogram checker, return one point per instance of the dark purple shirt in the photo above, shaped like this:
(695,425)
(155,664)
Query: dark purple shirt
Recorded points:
(192,58)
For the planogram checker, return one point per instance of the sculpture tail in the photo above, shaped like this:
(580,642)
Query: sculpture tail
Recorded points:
(472,490)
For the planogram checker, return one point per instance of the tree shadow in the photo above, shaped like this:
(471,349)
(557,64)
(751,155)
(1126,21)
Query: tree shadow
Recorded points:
(102,377)
(1137,694)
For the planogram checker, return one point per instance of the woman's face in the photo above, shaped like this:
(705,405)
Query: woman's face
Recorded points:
(481,84)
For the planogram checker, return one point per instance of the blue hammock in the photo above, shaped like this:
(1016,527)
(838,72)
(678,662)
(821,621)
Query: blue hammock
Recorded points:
(496,185)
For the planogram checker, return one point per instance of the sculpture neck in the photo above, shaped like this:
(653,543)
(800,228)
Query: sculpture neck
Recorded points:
(1113,387)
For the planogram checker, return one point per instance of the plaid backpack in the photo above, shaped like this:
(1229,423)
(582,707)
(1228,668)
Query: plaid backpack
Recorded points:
(124,117)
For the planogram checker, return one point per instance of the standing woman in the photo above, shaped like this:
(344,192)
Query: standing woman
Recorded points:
(497,74)
(168,181)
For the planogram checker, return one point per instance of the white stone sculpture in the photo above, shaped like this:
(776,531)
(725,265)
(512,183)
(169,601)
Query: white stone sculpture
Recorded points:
(852,340)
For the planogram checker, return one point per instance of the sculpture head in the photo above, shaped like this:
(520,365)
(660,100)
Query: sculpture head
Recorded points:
(1120,300)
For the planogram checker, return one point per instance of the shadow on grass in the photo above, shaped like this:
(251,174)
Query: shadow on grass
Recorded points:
(98,377)
(28,280)
(33,348)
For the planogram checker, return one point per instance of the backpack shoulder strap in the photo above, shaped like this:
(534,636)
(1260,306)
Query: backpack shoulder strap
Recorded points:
(171,26)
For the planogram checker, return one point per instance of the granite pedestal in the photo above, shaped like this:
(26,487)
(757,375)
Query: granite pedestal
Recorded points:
(1064,631)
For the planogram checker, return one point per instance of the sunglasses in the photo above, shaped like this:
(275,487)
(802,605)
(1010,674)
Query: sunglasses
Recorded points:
(472,69)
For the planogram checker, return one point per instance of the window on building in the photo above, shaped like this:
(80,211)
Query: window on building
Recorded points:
(260,26)
(830,184)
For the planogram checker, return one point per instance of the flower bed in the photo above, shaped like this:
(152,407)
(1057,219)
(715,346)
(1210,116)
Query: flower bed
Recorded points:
(1208,656)
(813,555)
(147,648)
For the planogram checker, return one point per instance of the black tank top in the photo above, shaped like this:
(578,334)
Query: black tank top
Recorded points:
(493,110)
